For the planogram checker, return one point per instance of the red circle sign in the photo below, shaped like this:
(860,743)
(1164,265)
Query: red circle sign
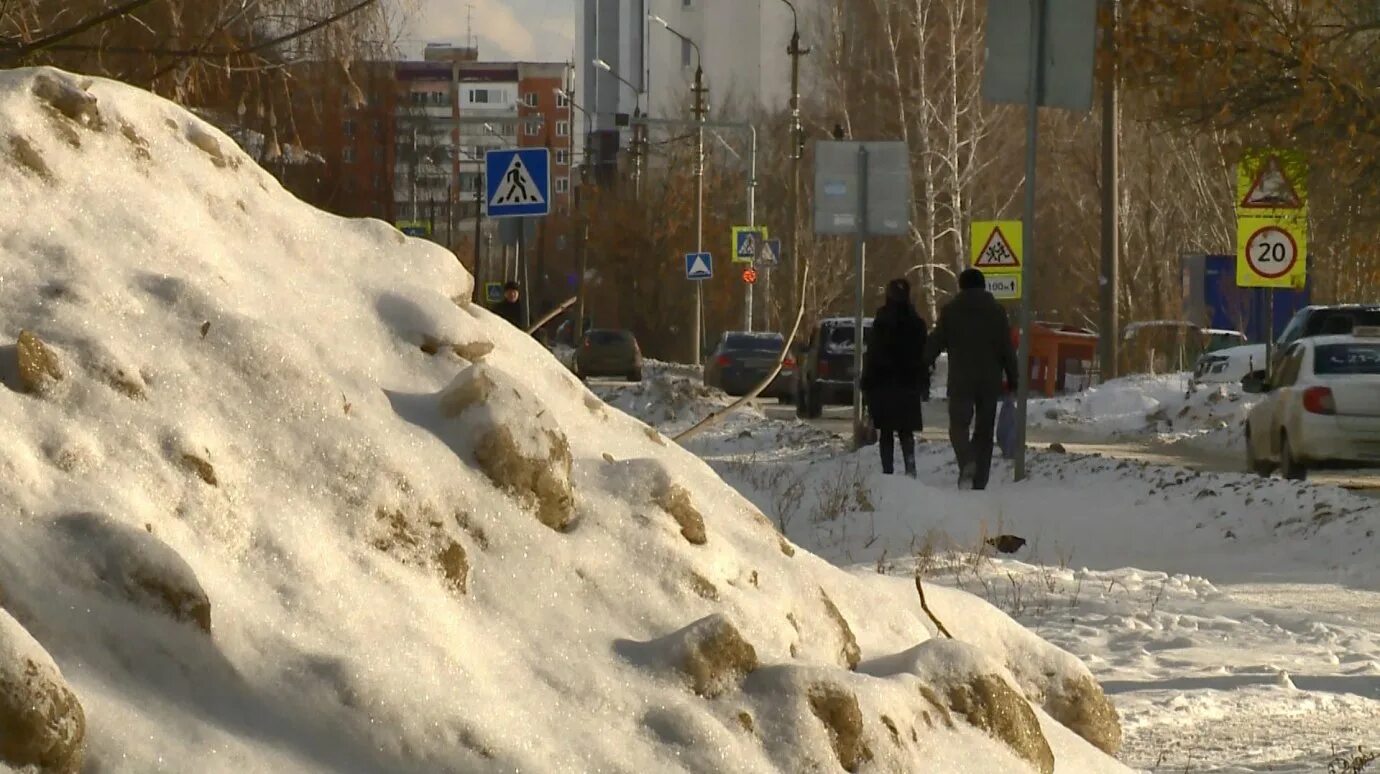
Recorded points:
(750,276)
(1271,252)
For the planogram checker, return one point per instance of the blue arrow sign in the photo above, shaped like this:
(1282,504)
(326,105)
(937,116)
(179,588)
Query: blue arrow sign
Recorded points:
(699,266)
(518,182)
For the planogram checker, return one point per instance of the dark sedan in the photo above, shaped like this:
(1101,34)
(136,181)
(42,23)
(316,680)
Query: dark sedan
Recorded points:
(742,360)
(609,353)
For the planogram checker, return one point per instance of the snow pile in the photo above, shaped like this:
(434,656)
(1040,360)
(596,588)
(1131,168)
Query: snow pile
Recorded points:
(1196,668)
(1169,408)
(278,498)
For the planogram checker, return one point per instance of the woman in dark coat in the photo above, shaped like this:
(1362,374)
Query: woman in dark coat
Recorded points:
(894,379)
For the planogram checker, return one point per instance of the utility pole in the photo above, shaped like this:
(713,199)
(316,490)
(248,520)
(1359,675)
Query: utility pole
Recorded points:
(699,206)
(1110,281)
(1035,87)
(700,109)
(797,157)
(478,220)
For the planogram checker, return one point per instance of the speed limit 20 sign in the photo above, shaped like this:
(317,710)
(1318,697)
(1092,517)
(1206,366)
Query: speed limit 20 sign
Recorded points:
(1271,252)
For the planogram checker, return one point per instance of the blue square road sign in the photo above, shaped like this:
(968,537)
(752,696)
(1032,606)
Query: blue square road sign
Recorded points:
(699,266)
(518,182)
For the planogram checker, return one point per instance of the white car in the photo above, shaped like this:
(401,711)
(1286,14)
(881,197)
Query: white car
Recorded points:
(1321,407)
(1230,365)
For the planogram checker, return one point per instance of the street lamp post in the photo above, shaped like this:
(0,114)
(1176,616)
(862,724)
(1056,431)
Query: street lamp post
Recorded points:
(637,140)
(797,155)
(699,111)
(581,207)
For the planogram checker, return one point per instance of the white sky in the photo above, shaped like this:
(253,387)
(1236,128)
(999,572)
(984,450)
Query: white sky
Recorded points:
(542,30)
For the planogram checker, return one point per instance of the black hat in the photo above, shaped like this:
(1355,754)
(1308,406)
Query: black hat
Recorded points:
(971,279)
(511,286)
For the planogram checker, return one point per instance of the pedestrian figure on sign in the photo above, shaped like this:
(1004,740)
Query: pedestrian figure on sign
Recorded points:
(974,330)
(516,184)
(895,381)
(510,308)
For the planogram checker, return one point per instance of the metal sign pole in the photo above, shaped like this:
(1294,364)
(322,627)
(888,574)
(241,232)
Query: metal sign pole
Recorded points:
(860,260)
(1036,85)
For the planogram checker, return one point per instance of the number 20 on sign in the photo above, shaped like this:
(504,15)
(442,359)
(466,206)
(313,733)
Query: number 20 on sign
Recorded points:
(1271,252)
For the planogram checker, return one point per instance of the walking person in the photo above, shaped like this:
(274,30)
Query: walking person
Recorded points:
(974,330)
(894,378)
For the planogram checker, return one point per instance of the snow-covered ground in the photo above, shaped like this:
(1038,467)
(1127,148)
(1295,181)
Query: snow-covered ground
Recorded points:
(277,498)
(1167,409)
(1235,621)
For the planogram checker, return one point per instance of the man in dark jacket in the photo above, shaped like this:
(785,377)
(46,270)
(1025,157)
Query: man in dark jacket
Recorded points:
(974,330)
(510,308)
(894,377)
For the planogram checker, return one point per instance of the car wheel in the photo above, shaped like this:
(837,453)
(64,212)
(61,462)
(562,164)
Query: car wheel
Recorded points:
(1290,466)
(1263,468)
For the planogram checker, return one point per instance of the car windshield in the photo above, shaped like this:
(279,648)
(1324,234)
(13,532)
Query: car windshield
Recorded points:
(603,338)
(839,338)
(754,342)
(1347,359)
(1341,322)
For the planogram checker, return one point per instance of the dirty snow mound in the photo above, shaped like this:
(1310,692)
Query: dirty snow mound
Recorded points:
(279,498)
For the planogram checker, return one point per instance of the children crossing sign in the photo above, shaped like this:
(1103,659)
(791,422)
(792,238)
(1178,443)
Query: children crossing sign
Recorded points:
(996,250)
(519,182)
(997,245)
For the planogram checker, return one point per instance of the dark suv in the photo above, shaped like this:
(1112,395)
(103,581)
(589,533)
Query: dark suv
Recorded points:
(824,373)
(1338,319)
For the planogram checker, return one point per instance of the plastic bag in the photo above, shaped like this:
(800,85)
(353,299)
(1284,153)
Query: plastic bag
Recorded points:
(1006,427)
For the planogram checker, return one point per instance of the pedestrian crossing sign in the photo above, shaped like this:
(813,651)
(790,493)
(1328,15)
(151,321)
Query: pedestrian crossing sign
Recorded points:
(518,182)
(748,241)
(996,246)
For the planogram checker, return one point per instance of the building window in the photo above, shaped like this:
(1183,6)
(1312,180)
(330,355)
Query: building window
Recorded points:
(562,185)
(532,129)
(562,99)
(531,99)
(378,154)
(685,52)
(479,96)
(563,157)
(347,154)
(562,128)
(348,127)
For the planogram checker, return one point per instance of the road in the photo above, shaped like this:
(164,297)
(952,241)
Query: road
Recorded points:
(838,419)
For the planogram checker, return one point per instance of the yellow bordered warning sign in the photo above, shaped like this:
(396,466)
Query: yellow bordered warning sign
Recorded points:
(1271,252)
(996,246)
(1270,182)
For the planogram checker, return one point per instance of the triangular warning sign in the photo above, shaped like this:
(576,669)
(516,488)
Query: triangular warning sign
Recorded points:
(517,186)
(997,253)
(1271,189)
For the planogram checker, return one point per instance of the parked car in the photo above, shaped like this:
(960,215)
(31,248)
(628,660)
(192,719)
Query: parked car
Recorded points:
(1215,339)
(1229,366)
(1161,347)
(1321,406)
(605,352)
(824,366)
(742,360)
